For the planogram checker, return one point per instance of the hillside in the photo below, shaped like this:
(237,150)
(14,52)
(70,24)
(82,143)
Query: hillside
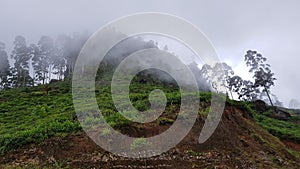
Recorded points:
(39,131)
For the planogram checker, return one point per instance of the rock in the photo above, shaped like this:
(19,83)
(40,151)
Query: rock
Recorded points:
(260,106)
(51,159)
(282,115)
(105,158)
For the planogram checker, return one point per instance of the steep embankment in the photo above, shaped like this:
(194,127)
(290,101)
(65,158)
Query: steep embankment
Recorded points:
(238,142)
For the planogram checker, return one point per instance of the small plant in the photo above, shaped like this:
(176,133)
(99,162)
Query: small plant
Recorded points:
(105,132)
(164,121)
(193,153)
(139,143)
(204,112)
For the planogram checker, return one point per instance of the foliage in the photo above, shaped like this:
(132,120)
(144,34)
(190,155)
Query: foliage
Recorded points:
(41,56)
(286,130)
(139,143)
(263,76)
(221,77)
(21,76)
(26,117)
(4,67)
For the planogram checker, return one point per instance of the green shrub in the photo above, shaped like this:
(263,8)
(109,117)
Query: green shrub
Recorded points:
(139,143)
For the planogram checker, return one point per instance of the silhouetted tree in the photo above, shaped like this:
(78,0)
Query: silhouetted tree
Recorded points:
(41,60)
(218,76)
(206,73)
(58,60)
(21,56)
(34,52)
(263,76)
(202,84)
(4,67)
(235,84)
(247,91)
(71,48)
(222,73)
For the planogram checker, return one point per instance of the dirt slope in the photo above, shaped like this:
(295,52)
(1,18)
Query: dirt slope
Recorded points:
(238,142)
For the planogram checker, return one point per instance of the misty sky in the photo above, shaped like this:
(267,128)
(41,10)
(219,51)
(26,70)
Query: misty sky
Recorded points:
(268,26)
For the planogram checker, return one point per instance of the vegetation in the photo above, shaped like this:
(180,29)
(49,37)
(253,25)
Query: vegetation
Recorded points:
(139,143)
(32,114)
(4,67)
(48,58)
(28,116)
(286,130)
(263,76)
(283,129)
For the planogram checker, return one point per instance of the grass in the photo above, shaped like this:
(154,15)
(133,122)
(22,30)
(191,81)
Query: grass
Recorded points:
(27,115)
(285,130)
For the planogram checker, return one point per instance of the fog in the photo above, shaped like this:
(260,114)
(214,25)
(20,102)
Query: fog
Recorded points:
(270,27)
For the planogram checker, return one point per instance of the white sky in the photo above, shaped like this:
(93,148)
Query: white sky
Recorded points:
(268,26)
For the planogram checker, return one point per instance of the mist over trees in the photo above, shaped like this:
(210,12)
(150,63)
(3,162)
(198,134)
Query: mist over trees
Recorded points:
(21,57)
(218,76)
(38,63)
(249,90)
(294,104)
(50,58)
(4,67)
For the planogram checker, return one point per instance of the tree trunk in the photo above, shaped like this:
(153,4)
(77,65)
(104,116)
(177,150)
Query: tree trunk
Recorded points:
(47,89)
(231,94)
(269,97)
(43,78)
(24,79)
(50,71)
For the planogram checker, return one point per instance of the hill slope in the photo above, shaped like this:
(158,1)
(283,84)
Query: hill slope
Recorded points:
(39,131)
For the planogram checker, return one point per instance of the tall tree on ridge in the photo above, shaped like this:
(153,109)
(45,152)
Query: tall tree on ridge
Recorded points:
(4,67)
(41,59)
(263,76)
(21,77)
(58,60)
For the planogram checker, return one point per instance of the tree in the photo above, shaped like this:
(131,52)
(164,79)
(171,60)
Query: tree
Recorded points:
(206,74)
(222,74)
(34,52)
(201,82)
(58,60)
(4,67)
(42,55)
(235,84)
(71,49)
(263,76)
(218,76)
(21,77)
(294,104)
(263,96)
(247,91)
